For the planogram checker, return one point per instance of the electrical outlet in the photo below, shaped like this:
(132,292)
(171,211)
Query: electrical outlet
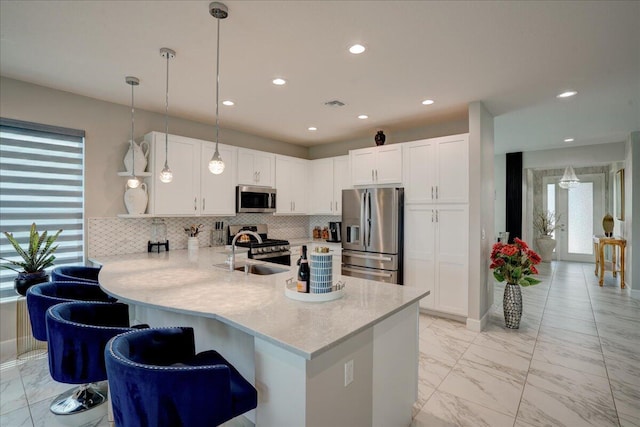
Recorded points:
(348,373)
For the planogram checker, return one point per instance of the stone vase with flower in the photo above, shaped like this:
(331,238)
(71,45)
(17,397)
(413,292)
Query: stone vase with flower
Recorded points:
(514,263)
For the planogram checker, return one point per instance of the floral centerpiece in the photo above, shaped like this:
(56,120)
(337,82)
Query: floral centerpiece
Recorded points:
(514,263)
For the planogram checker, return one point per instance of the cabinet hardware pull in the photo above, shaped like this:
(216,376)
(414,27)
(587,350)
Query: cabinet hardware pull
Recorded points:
(376,174)
(437,219)
(336,206)
(436,192)
(372,179)
(432,192)
(195,203)
(203,203)
(331,206)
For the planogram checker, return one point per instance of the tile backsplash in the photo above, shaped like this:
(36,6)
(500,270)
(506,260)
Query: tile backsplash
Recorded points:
(117,236)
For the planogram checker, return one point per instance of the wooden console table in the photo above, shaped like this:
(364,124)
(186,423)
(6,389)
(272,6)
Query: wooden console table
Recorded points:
(599,242)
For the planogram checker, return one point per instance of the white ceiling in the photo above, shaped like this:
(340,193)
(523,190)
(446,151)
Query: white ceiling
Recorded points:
(514,56)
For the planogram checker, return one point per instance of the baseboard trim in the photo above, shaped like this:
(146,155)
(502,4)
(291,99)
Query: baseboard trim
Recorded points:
(478,325)
(437,313)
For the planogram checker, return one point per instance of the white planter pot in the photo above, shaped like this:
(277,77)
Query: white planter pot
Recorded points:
(546,245)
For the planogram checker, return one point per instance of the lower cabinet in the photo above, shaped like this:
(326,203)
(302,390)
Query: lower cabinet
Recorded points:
(436,248)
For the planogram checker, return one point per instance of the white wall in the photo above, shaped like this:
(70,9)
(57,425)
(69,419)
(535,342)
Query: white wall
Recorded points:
(588,155)
(631,220)
(500,188)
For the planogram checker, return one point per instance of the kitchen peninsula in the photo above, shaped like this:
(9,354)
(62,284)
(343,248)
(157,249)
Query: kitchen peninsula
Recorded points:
(348,362)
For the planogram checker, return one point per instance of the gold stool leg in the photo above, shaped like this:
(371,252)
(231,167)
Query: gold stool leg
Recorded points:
(27,346)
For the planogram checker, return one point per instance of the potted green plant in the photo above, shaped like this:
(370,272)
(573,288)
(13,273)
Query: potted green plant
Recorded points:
(37,256)
(514,263)
(545,223)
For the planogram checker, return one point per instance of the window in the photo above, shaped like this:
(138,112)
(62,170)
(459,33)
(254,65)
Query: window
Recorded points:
(41,181)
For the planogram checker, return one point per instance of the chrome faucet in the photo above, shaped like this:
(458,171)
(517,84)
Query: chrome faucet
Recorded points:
(232,261)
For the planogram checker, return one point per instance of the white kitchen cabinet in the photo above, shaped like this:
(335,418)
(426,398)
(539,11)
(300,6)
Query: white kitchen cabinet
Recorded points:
(328,178)
(194,190)
(436,246)
(256,168)
(292,177)
(376,165)
(436,170)
(218,192)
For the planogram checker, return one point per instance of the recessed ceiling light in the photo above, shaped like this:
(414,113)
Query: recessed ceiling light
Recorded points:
(568,140)
(363,116)
(279,82)
(427,102)
(357,49)
(312,128)
(566,94)
(228,103)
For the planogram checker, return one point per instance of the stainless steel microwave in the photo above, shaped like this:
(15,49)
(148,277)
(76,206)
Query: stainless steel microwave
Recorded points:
(255,199)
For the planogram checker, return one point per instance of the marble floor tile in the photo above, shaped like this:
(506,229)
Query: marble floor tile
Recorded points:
(574,313)
(571,356)
(12,395)
(626,398)
(451,329)
(432,371)
(613,346)
(17,418)
(561,337)
(570,324)
(424,393)
(620,328)
(444,409)
(506,340)
(441,347)
(489,378)
(557,396)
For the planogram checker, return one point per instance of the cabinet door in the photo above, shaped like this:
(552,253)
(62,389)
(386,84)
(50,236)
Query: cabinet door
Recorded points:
(388,168)
(451,248)
(217,191)
(264,166)
(453,171)
(363,164)
(284,185)
(322,187)
(246,171)
(180,196)
(299,188)
(341,181)
(419,173)
(419,258)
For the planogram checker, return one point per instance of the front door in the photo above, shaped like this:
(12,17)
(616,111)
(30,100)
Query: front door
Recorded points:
(581,210)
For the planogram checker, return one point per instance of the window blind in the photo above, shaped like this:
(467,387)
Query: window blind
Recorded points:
(41,181)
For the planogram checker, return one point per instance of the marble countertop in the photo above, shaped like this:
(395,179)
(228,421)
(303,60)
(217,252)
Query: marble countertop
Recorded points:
(257,305)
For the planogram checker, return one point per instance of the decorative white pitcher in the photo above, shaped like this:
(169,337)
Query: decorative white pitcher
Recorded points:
(135,199)
(142,153)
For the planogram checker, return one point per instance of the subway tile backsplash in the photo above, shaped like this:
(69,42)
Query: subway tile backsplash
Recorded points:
(117,236)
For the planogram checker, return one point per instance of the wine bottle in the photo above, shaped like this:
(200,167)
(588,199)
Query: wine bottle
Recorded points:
(304,273)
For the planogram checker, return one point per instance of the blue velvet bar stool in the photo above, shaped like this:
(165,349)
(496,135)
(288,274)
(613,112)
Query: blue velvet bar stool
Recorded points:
(157,379)
(75,274)
(44,295)
(77,334)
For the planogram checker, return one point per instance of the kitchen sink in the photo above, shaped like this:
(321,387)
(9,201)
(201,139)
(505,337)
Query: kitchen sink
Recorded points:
(262,270)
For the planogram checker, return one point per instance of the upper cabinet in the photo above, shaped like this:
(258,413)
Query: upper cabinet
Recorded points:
(292,177)
(256,168)
(194,190)
(376,165)
(436,170)
(328,178)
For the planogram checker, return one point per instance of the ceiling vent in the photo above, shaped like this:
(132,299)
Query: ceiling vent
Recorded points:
(334,103)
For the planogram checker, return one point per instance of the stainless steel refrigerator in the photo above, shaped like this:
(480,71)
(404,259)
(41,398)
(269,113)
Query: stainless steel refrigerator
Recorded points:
(372,233)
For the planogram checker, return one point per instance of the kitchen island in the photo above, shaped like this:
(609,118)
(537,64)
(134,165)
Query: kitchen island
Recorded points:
(348,362)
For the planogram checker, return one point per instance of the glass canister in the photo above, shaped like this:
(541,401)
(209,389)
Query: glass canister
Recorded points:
(158,231)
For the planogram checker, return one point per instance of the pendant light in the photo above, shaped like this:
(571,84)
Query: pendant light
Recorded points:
(218,11)
(166,175)
(569,179)
(133,181)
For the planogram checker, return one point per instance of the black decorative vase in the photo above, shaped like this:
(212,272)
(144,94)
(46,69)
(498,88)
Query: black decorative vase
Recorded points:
(512,305)
(26,280)
(380,138)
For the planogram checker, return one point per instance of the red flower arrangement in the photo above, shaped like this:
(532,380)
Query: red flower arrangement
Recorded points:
(514,262)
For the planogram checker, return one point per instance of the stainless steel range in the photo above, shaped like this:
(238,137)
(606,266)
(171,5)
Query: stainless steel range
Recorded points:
(270,250)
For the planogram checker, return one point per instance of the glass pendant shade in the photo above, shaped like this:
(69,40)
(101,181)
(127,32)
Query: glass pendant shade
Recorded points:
(569,179)
(166,175)
(216,165)
(133,182)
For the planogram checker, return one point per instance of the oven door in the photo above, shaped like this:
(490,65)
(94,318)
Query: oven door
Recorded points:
(255,199)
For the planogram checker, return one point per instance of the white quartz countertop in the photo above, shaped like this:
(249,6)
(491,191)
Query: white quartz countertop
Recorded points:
(257,305)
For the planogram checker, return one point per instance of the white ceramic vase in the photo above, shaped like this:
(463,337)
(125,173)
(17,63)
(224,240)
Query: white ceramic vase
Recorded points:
(142,153)
(546,245)
(135,199)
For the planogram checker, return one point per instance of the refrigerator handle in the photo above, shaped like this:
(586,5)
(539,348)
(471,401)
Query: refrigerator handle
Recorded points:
(363,218)
(368,218)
